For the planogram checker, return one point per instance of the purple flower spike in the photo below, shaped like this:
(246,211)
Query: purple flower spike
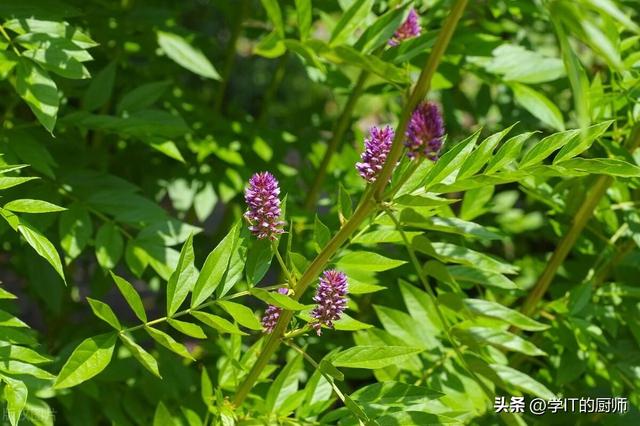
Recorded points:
(263,206)
(410,28)
(425,132)
(376,148)
(272,314)
(330,298)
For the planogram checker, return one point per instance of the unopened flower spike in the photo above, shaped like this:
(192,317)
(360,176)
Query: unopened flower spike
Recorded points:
(410,28)
(425,131)
(272,314)
(330,298)
(263,206)
(376,149)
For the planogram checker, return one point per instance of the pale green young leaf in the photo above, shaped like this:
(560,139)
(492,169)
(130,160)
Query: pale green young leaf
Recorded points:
(20,353)
(304,13)
(451,160)
(275,15)
(39,91)
(104,312)
(368,261)
(10,181)
(87,360)
(507,153)
(162,416)
(501,312)
(372,357)
(538,105)
(217,322)
(481,336)
(42,246)
(546,146)
(144,357)
(19,368)
(188,328)
(350,20)
(183,278)
(15,394)
(109,245)
(214,267)
(32,206)
(168,342)
(131,296)
(185,55)
(241,314)
(276,299)
(522,381)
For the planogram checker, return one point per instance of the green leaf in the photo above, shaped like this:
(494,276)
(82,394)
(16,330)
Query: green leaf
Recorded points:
(507,153)
(414,418)
(496,310)
(168,342)
(481,277)
(87,360)
(517,64)
(304,12)
(100,89)
(42,246)
(501,339)
(364,260)
(188,57)
(109,245)
(276,299)
(10,182)
(142,97)
(104,312)
(241,314)
(32,206)
(582,142)
(131,296)
(75,228)
(522,381)
(345,208)
(218,323)
(15,393)
(482,154)
(214,267)
(350,20)
(458,254)
(162,416)
(538,105)
(285,384)
(20,368)
(188,328)
(259,259)
(39,91)
(392,393)
(603,166)
(321,234)
(382,29)
(546,146)
(183,278)
(451,160)
(144,357)
(373,64)
(275,15)
(372,357)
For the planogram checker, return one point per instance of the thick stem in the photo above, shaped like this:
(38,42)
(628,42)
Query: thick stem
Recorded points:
(338,135)
(580,220)
(230,56)
(366,206)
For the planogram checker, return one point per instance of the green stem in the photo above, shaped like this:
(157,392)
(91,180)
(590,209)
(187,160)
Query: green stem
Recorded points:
(434,299)
(582,216)
(197,308)
(283,265)
(338,134)
(230,56)
(365,207)
(276,80)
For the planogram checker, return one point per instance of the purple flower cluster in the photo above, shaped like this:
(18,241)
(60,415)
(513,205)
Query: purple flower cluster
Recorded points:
(376,149)
(263,206)
(425,131)
(410,28)
(272,314)
(330,298)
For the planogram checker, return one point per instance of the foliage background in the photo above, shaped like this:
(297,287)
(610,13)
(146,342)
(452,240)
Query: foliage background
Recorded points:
(129,127)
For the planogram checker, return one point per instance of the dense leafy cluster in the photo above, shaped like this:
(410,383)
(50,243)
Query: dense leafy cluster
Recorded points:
(353,212)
